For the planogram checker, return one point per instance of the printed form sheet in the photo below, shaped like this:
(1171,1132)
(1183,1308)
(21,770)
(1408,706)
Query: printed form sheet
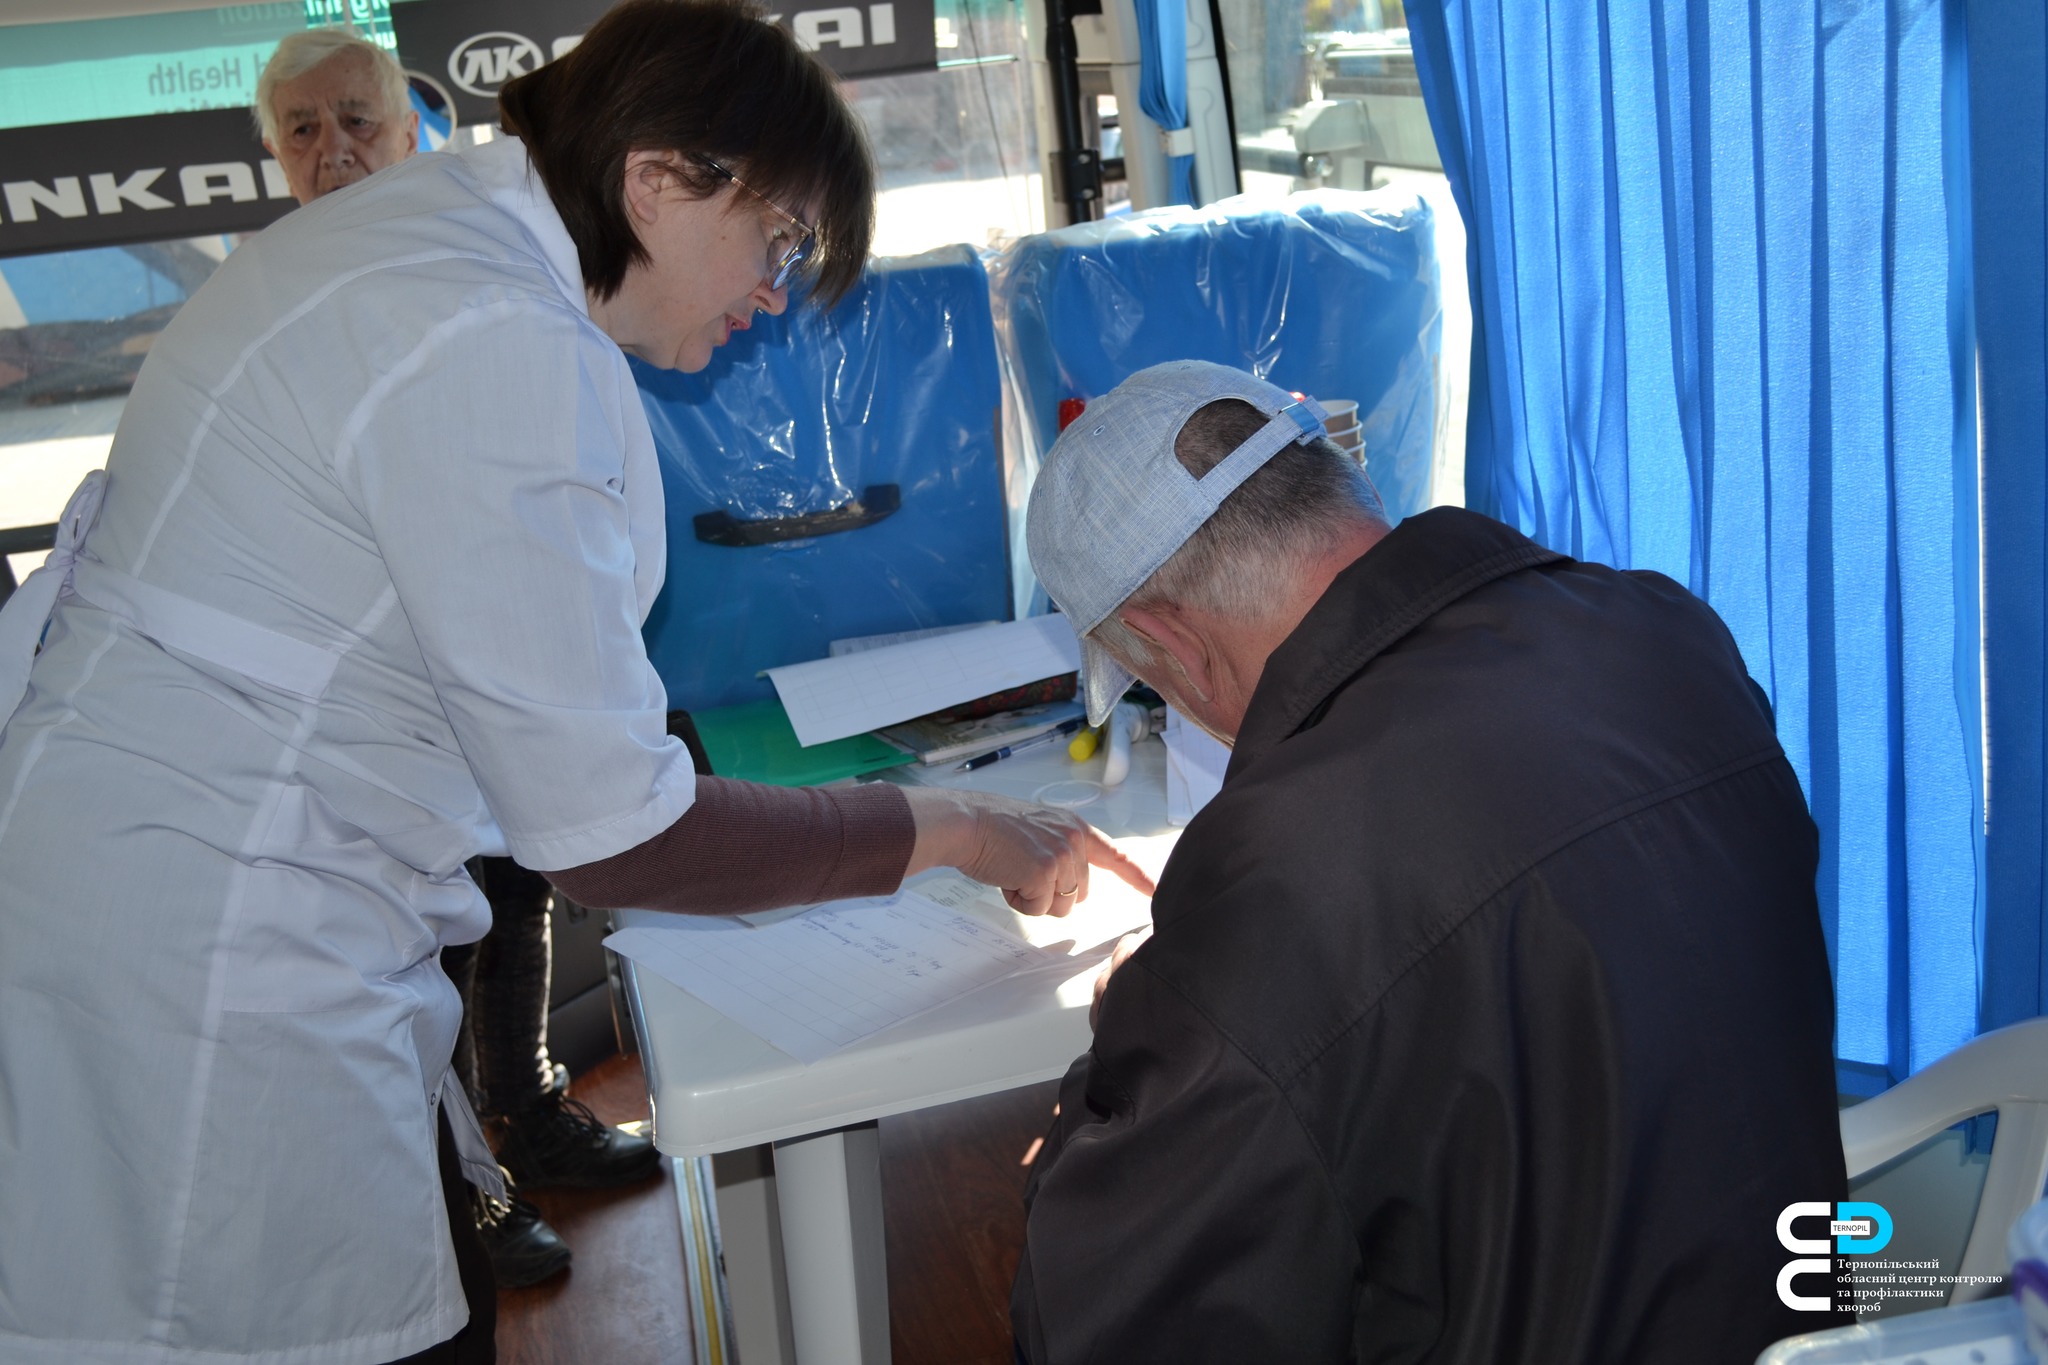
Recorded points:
(824,980)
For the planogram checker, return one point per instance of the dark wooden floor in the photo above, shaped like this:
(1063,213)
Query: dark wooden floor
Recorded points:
(953,1207)
(621,1301)
(952,1183)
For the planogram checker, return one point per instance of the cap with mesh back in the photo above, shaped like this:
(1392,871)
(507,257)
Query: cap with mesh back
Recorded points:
(1112,502)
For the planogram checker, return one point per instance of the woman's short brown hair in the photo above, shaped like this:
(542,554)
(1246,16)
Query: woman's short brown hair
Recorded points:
(709,80)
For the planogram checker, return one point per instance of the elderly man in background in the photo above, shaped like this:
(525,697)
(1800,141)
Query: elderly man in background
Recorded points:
(335,109)
(1486,1016)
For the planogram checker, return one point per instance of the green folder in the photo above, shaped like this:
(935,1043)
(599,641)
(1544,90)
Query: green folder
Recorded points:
(754,741)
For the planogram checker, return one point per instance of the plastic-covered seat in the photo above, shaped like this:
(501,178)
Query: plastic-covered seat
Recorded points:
(830,474)
(2006,1071)
(1332,293)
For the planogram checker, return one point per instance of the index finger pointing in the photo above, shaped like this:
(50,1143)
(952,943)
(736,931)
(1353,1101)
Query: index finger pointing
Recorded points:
(1103,854)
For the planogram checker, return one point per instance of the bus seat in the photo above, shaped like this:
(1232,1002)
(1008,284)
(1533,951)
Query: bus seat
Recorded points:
(1332,293)
(830,474)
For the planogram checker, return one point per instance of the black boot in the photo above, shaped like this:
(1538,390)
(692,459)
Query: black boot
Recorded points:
(558,1141)
(524,1250)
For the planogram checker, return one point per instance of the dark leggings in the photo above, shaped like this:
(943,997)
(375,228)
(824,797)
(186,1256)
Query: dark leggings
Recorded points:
(502,1054)
(477,1342)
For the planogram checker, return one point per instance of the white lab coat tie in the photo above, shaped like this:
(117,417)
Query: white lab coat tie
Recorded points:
(26,613)
(479,1165)
(263,656)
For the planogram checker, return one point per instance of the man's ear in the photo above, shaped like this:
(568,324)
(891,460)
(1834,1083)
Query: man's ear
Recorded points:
(412,131)
(1184,647)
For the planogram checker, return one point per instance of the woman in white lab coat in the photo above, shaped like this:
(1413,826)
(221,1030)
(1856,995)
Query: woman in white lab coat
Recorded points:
(358,599)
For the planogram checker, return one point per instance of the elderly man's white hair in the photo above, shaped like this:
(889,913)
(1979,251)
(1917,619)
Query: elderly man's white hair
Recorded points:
(301,52)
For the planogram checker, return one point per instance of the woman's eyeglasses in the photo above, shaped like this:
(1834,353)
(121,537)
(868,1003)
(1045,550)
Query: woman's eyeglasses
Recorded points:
(783,268)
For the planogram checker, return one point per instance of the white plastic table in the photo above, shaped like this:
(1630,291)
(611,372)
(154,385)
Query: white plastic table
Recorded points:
(797,1159)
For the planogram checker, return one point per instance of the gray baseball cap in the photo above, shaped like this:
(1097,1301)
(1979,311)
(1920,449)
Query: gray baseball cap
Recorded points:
(1112,503)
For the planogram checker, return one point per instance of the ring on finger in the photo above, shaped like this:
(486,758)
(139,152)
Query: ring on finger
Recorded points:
(1075,892)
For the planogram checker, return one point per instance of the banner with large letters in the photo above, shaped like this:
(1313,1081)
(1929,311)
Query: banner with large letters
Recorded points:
(159,177)
(152,178)
(472,47)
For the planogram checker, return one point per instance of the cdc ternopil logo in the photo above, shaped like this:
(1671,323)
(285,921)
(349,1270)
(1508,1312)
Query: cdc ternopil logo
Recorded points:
(1859,1228)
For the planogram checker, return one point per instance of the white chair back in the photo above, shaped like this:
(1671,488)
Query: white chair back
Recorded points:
(2006,1071)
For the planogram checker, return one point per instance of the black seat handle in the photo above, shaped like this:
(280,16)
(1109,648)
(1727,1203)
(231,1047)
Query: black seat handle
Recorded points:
(22,540)
(876,501)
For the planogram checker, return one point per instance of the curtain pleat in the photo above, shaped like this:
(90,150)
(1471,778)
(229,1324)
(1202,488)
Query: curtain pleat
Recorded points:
(1721,330)
(2008,131)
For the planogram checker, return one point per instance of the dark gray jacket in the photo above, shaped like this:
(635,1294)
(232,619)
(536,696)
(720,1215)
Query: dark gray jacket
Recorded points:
(1487,1017)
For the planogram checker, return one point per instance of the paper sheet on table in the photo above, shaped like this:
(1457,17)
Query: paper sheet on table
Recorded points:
(761,919)
(1113,908)
(823,981)
(829,699)
(1195,761)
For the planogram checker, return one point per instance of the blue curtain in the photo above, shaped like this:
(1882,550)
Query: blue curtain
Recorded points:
(1163,81)
(1722,328)
(2008,47)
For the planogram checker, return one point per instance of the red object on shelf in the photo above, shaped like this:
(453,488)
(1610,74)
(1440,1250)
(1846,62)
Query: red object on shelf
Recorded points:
(1070,408)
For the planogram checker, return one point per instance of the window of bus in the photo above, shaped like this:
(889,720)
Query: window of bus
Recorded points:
(1325,96)
(957,147)
(74,328)
(75,325)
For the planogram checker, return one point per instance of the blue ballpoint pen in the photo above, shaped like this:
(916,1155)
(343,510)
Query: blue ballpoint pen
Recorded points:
(1060,731)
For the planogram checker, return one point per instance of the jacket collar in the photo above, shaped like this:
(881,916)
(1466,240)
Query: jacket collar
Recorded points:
(1424,564)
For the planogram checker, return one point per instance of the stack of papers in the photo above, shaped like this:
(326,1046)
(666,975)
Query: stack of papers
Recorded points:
(830,699)
(823,981)
(946,741)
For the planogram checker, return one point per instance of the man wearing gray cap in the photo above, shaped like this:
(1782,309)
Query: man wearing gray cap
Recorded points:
(1487,1014)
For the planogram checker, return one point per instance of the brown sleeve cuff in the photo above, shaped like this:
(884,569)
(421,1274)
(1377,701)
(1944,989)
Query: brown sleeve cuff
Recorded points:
(742,846)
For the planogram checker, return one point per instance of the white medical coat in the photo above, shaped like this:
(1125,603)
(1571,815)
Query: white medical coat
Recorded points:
(381,523)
